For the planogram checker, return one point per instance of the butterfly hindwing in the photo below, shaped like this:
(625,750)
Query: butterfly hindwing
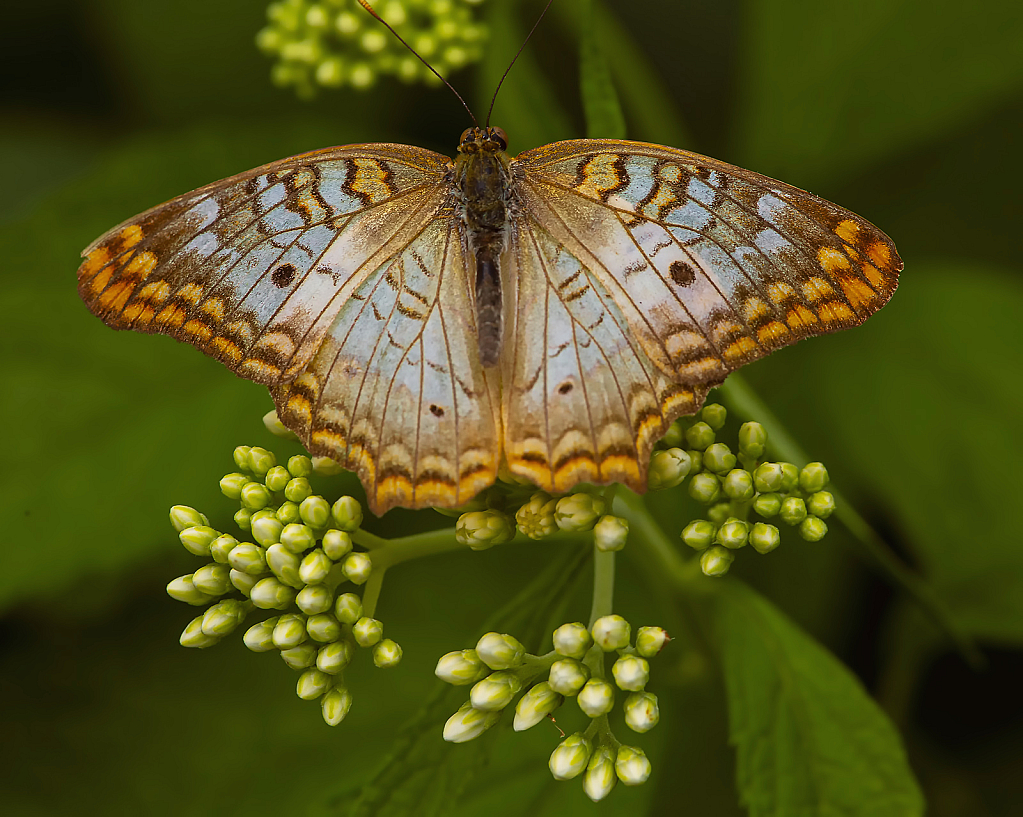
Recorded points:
(253,269)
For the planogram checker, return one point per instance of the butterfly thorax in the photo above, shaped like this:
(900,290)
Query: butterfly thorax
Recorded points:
(482,183)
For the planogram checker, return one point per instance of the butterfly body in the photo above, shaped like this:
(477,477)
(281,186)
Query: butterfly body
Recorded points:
(428,322)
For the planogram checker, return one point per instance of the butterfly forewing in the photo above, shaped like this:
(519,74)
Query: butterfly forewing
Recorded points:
(253,269)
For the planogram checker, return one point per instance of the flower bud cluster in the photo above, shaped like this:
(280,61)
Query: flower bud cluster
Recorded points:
(733,483)
(499,668)
(299,556)
(332,43)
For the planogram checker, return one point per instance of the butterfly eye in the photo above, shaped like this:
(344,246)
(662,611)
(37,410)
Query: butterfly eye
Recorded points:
(467,135)
(499,136)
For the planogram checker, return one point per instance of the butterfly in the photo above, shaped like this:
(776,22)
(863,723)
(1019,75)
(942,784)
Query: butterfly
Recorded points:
(428,322)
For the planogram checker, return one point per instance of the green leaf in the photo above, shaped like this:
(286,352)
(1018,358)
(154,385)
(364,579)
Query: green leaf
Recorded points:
(828,88)
(810,741)
(604,118)
(917,412)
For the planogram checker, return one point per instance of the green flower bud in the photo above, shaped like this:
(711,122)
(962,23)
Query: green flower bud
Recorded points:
(284,565)
(578,512)
(468,723)
(315,599)
(495,691)
(314,569)
(611,633)
(243,518)
(261,461)
(768,477)
(197,539)
(719,513)
(716,561)
(335,705)
(813,529)
(312,684)
(767,505)
(254,496)
(535,705)
(596,698)
(699,534)
(271,594)
(499,651)
(699,436)
(733,534)
(714,415)
(182,589)
(277,478)
(221,547)
(277,428)
(224,617)
(752,440)
(301,657)
(460,668)
(288,514)
(668,469)
(300,466)
(631,673)
(674,437)
(641,711)
(315,511)
(326,467)
(813,477)
(323,627)
(650,641)
(570,758)
(357,567)
(632,765)
(266,529)
(298,490)
(367,631)
(600,775)
(348,608)
(243,582)
(484,529)
(793,510)
(738,485)
(181,517)
(820,504)
(764,538)
(260,637)
(387,654)
(790,477)
(535,519)
(212,579)
(193,636)
(704,488)
(248,558)
(289,632)
(696,460)
(241,457)
(347,514)
(719,458)
(334,657)
(568,676)
(336,544)
(572,640)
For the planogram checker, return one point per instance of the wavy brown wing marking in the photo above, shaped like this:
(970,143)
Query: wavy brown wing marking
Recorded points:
(396,392)
(253,269)
(582,401)
(723,264)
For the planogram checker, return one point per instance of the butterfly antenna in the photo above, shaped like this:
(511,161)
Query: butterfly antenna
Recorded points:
(365,4)
(509,68)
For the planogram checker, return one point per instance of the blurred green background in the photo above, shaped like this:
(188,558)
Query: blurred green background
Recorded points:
(907,112)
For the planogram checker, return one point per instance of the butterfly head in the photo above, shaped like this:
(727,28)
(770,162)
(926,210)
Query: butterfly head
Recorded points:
(483,140)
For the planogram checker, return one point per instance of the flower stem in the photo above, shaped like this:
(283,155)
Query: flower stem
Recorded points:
(603,584)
